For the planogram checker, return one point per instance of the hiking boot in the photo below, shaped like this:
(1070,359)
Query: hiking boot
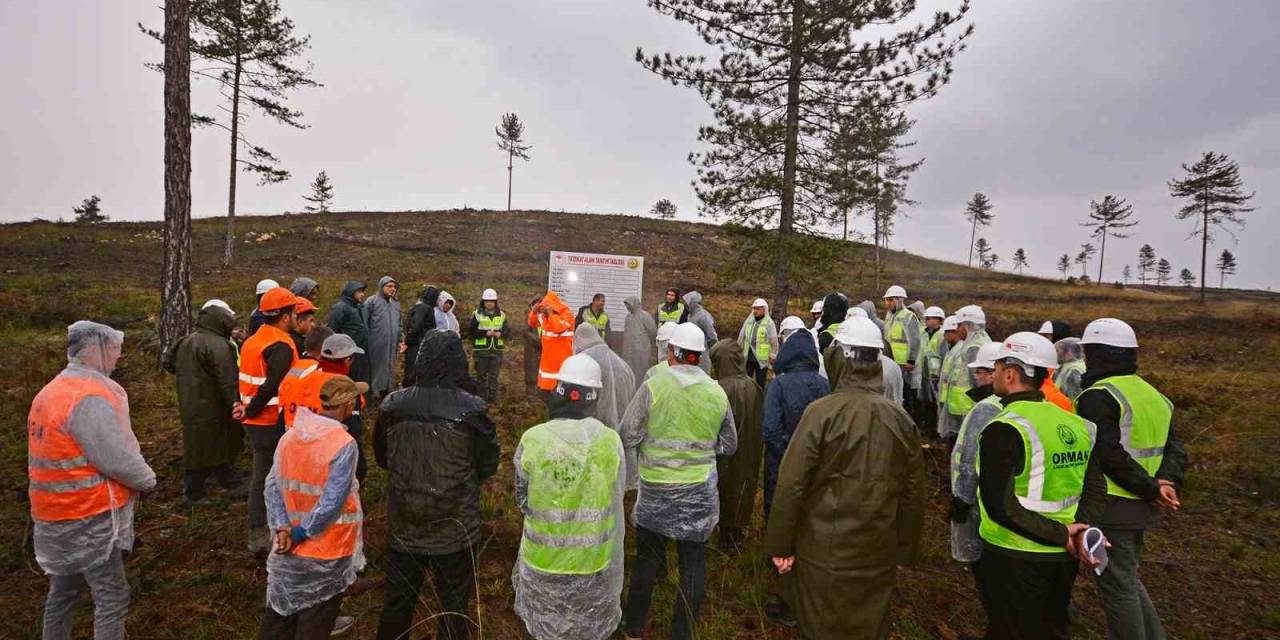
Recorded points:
(779,613)
(342,624)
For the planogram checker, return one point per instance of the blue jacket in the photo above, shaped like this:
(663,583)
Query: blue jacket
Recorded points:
(796,385)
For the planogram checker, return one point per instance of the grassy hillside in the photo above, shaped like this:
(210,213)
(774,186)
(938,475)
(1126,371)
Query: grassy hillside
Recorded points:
(1210,569)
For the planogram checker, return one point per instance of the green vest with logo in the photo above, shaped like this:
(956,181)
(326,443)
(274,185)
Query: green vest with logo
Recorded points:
(953,386)
(485,323)
(1056,447)
(570,525)
(600,322)
(755,337)
(670,316)
(683,426)
(1145,416)
(896,329)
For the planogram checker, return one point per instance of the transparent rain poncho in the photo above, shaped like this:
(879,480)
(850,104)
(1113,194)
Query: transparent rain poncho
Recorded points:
(565,474)
(296,582)
(1071,367)
(956,364)
(447,320)
(891,374)
(68,547)
(638,335)
(966,544)
(619,382)
(699,316)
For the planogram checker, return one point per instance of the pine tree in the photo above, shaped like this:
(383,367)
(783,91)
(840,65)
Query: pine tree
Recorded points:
(1163,271)
(789,73)
(983,248)
(511,140)
(1146,262)
(1064,264)
(1086,254)
(1127,274)
(321,194)
(978,212)
(175,271)
(1020,260)
(1106,218)
(990,261)
(90,210)
(1187,278)
(664,209)
(1226,267)
(248,48)
(1214,196)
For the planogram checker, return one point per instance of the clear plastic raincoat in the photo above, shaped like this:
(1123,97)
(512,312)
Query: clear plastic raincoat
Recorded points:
(966,544)
(699,315)
(447,320)
(619,382)
(638,335)
(1071,367)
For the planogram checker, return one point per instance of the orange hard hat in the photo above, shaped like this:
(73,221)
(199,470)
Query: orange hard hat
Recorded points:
(303,306)
(277,299)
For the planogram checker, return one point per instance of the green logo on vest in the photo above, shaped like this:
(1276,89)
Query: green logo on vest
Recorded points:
(1066,436)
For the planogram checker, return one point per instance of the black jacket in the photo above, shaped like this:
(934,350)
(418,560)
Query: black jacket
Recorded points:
(438,445)
(473,326)
(834,308)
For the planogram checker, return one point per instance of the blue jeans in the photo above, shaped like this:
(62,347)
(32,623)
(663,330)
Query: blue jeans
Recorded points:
(651,550)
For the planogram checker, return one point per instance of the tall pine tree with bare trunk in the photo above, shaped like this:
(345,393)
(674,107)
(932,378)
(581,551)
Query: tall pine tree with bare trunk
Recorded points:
(175,274)
(1107,218)
(1146,262)
(1020,260)
(511,140)
(787,73)
(1213,190)
(1226,267)
(978,212)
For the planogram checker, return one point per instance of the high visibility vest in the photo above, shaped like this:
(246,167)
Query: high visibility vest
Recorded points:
(253,372)
(485,323)
(895,327)
(1056,448)
(961,436)
(832,329)
(301,471)
(670,316)
(63,484)
(301,388)
(600,322)
(1145,416)
(569,525)
(933,352)
(683,426)
(755,337)
(655,369)
(953,386)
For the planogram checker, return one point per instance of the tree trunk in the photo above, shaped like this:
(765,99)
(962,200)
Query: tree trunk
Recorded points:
(875,215)
(786,217)
(972,235)
(509,161)
(846,224)
(1204,248)
(235,146)
(1102,256)
(175,276)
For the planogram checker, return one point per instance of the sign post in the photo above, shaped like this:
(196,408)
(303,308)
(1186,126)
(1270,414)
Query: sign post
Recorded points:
(576,277)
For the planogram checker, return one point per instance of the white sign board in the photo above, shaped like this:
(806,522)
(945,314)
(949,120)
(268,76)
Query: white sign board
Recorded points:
(576,277)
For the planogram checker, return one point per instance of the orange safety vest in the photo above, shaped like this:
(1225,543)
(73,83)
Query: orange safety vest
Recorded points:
(301,388)
(1054,395)
(253,372)
(64,485)
(301,471)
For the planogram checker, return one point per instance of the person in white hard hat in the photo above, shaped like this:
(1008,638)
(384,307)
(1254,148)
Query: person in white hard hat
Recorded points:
(1143,461)
(836,543)
(256,318)
(815,313)
(665,332)
(891,373)
(1039,488)
(676,425)
(966,545)
(758,338)
(489,334)
(934,349)
(1055,330)
(902,331)
(956,379)
(570,478)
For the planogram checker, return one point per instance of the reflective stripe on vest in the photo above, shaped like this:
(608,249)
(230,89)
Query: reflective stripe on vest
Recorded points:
(756,338)
(301,471)
(486,323)
(683,427)
(301,388)
(1145,416)
(1056,449)
(896,328)
(933,353)
(953,390)
(600,322)
(570,524)
(670,316)
(63,484)
(253,372)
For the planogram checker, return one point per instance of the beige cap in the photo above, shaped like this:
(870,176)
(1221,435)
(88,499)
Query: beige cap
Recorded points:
(339,390)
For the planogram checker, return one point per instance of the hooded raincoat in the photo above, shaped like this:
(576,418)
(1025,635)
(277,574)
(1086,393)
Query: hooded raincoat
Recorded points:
(796,385)
(834,309)
(739,473)
(304,287)
(638,335)
(447,320)
(347,316)
(422,318)
(383,314)
(966,544)
(556,338)
(891,382)
(870,308)
(748,333)
(849,507)
(699,316)
(619,383)
(205,365)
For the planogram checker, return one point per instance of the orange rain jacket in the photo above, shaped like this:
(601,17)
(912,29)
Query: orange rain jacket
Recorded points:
(557,338)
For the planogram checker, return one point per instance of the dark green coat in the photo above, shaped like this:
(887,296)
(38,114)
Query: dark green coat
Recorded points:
(206,369)
(739,473)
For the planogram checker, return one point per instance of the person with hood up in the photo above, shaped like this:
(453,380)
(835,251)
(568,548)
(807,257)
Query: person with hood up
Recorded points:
(446,320)
(676,425)
(869,308)
(1069,375)
(554,321)
(204,363)
(638,335)
(569,485)
(891,374)
(489,332)
(618,385)
(438,446)
(850,502)
(758,339)
(791,325)
(739,473)
(796,385)
(956,377)
(835,307)
(532,349)
(702,319)
(347,316)
(672,309)
(305,288)
(422,318)
(383,315)
(256,318)
(966,544)
(86,472)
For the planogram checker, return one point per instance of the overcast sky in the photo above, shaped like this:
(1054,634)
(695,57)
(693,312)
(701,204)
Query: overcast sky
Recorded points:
(1053,104)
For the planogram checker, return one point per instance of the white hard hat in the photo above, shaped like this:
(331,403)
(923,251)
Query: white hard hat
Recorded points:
(581,370)
(895,292)
(950,324)
(759,303)
(935,312)
(790,323)
(666,331)
(855,312)
(816,308)
(971,313)
(1111,332)
(265,286)
(1046,328)
(1030,349)
(987,356)
(860,332)
(689,337)
(218,303)
(489,294)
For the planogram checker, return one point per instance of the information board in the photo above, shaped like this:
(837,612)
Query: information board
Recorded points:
(576,277)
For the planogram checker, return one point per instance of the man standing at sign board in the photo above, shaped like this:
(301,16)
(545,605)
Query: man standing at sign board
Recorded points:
(555,320)
(594,315)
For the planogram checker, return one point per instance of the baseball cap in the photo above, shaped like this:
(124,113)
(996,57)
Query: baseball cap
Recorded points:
(339,346)
(339,390)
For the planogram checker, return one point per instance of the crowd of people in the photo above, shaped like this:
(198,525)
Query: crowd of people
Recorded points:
(1062,456)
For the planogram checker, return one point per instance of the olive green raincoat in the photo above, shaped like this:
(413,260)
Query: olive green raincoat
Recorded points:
(205,364)
(739,473)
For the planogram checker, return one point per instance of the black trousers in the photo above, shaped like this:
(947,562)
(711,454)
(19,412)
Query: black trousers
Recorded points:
(193,481)
(755,371)
(651,551)
(313,623)
(262,441)
(1025,599)
(452,579)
